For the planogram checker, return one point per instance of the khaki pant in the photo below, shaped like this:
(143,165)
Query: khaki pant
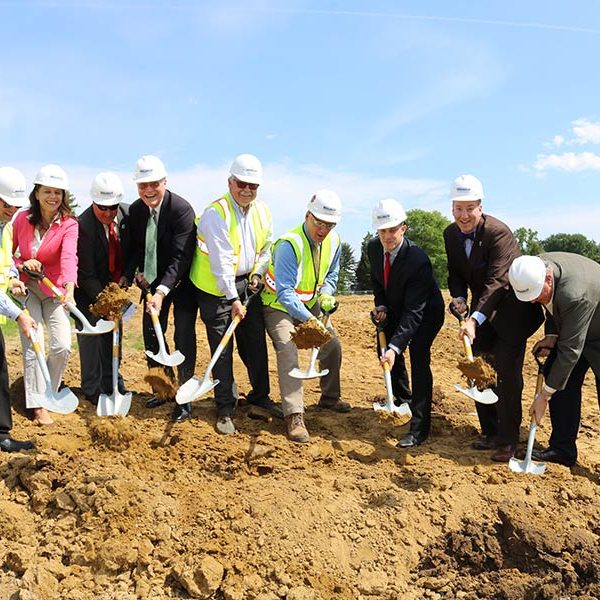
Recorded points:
(47,312)
(279,325)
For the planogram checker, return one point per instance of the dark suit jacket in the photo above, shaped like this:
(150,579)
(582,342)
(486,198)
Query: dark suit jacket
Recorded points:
(485,274)
(412,295)
(92,250)
(175,240)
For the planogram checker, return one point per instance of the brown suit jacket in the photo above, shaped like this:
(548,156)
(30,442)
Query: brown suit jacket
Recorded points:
(485,275)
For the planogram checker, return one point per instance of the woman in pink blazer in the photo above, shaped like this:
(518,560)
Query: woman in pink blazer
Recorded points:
(45,238)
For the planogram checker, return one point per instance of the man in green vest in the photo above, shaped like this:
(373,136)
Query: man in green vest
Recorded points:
(232,253)
(299,285)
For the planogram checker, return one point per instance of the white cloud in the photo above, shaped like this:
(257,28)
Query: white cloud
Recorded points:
(568,161)
(586,132)
(558,140)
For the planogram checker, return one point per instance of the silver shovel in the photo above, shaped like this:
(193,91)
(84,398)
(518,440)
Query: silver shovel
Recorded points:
(527,465)
(115,403)
(311,372)
(162,356)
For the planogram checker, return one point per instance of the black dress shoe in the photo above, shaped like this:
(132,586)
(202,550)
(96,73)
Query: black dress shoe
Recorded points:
(552,456)
(93,398)
(408,441)
(122,389)
(182,412)
(268,405)
(10,445)
(504,453)
(484,442)
(155,402)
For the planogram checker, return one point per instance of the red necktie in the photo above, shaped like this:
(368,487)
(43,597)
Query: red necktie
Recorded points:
(386,269)
(114,254)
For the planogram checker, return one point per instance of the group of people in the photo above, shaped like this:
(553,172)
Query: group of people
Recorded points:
(226,266)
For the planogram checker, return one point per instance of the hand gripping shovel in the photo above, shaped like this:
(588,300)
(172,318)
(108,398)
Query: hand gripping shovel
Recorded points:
(486,396)
(162,356)
(115,403)
(101,325)
(311,372)
(195,387)
(388,406)
(527,465)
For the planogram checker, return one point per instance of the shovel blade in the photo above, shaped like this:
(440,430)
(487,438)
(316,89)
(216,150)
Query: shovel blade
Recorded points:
(194,388)
(114,404)
(99,328)
(524,466)
(63,402)
(486,396)
(169,360)
(310,374)
(402,410)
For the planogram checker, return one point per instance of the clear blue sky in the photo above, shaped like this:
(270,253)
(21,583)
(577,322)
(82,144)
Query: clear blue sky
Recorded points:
(370,98)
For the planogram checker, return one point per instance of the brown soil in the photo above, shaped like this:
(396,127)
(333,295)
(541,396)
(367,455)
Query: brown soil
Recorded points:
(310,334)
(161,383)
(479,371)
(138,508)
(110,302)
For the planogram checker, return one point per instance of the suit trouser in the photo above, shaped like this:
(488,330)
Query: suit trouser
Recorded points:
(565,409)
(5,413)
(503,419)
(215,312)
(279,326)
(45,311)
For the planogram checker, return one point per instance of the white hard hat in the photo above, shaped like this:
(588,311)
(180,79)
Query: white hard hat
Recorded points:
(246,167)
(527,275)
(149,168)
(465,188)
(12,187)
(107,189)
(326,205)
(388,213)
(52,176)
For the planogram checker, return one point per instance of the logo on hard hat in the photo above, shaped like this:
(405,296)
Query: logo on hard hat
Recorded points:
(463,189)
(146,170)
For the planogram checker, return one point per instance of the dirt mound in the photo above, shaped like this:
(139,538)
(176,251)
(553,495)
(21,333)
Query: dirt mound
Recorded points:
(115,433)
(110,302)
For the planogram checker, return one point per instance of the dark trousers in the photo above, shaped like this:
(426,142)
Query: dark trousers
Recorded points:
(565,409)
(5,413)
(503,419)
(251,342)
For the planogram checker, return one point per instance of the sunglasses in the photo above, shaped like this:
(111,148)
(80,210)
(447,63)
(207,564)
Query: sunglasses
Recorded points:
(322,224)
(244,184)
(5,205)
(107,208)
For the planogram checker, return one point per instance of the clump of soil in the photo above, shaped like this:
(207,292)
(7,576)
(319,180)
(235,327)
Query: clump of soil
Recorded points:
(310,334)
(384,416)
(479,371)
(161,383)
(110,302)
(114,433)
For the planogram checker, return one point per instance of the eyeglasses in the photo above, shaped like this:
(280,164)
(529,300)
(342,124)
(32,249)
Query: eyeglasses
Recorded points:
(322,224)
(5,205)
(244,184)
(107,208)
(150,184)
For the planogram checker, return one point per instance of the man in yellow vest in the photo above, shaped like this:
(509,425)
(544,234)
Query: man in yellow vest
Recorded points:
(232,253)
(299,285)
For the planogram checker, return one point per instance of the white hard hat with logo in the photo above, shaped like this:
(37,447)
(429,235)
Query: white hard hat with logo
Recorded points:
(388,213)
(52,176)
(12,187)
(149,168)
(107,189)
(246,167)
(466,188)
(527,275)
(326,205)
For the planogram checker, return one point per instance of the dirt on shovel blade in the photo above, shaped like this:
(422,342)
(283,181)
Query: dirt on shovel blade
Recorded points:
(110,302)
(386,417)
(479,371)
(162,385)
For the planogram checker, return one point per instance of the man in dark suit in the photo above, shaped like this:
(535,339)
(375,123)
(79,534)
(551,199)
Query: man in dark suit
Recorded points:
(480,249)
(162,236)
(409,304)
(101,245)
(568,286)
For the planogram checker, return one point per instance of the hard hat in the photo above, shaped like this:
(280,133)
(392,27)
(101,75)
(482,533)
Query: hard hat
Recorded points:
(246,167)
(107,189)
(12,187)
(527,275)
(388,213)
(149,168)
(52,176)
(466,187)
(326,205)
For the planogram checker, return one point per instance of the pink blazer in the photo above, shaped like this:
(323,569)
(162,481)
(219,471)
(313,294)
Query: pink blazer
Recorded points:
(57,252)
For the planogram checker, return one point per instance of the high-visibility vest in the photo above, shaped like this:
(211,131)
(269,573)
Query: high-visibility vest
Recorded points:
(200,272)
(308,282)
(6,259)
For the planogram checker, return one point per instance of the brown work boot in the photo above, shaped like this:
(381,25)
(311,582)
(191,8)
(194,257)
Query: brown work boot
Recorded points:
(334,404)
(296,430)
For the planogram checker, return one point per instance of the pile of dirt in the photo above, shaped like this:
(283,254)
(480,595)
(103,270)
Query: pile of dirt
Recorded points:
(479,372)
(110,302)
(162,384)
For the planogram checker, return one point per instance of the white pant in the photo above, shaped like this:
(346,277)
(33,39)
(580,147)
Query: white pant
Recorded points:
(49,312)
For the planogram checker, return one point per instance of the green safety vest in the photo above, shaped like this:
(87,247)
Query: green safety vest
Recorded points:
(6,259)
(308,282)
(200,272)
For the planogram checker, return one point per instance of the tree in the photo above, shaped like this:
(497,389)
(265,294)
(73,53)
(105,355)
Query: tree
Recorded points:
(426,229)
(363,270)
(347,274)
(572,242)
(528,241)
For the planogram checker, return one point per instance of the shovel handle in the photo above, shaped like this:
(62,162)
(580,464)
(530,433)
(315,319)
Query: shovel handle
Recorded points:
(468,348)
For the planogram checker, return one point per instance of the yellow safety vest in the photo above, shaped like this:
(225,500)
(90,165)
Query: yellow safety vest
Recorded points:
(308,282)
(6,258)
(200,272)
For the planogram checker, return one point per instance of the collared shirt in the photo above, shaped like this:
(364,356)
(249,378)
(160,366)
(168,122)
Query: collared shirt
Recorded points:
(8,308)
